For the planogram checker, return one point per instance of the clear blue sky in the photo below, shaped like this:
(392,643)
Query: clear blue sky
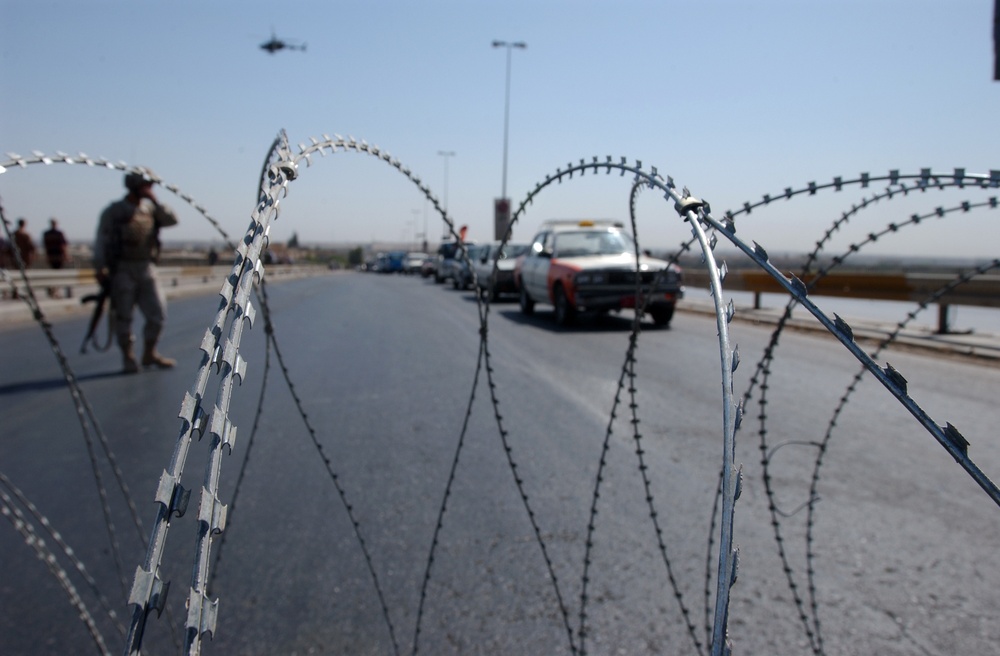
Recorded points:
(733,99)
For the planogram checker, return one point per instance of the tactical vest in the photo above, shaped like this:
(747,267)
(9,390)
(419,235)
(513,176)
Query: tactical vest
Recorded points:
(136,237)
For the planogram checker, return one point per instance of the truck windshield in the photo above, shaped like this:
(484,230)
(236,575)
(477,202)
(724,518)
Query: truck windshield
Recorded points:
(592,242)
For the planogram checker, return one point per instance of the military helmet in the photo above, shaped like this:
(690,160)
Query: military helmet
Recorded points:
(137,179)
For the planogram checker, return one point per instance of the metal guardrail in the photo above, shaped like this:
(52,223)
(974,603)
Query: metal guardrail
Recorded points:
(982,291)
(71,283)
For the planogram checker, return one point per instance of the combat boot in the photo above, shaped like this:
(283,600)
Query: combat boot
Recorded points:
(129,364)
(150,357)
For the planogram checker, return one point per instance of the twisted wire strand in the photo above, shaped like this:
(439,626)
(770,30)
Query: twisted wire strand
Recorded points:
(895,189)
(45,160)
(630,363)
(149,579)
(581,630)
(342,493)
(945,436)
(58,539)
(823,445)
(710,557)
(148,591)
(598,479)
(628,370)
(269,332)
(674,258)
(684,205)
(261,292)
(709,224)
(948,437)
(483,311)
(838,260)
(340,144)
(17,161)
(925,179)
(811,630)
(728,558)
(536,527)
(483,305)
(85,416)
(281,166)
(202,611)
(442,509)
(13,514)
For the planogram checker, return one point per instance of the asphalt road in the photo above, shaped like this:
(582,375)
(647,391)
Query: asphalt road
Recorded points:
(903,542)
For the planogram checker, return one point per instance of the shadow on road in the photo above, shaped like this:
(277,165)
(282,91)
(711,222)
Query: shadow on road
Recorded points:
(53,383)
(582,323)
(590,322)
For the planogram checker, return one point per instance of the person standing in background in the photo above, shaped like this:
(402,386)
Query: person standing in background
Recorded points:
(55,245)
(24,244)
(5,251)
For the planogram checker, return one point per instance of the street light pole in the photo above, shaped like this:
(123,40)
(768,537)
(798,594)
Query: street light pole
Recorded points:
(506,128)
(446,154)
(425,226)
(416,232)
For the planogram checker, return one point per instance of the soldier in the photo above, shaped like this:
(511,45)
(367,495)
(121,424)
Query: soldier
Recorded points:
(24,244)
(125,252)
(55,245)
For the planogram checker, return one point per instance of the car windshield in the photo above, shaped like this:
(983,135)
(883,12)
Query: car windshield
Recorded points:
(592,242)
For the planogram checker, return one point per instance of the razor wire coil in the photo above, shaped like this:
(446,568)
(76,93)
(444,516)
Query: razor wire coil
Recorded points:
(222,353)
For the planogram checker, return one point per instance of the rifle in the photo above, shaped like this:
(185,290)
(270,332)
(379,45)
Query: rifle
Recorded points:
(100,298)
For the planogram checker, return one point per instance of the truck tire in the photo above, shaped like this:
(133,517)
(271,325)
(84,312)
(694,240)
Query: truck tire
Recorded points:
(527,305)
(564,310)
(662,316)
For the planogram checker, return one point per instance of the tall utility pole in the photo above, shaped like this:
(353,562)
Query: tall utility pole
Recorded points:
(501,207)
(416,230)
(425,227)
(996,40)
(446,154)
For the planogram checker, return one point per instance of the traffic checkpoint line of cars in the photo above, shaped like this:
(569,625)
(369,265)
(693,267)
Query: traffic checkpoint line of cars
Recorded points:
(396,262)
(574,266)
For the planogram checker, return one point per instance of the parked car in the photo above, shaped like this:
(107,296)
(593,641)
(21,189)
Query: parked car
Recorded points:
(462,272)
(446,261)
(378,263)
(393,262)
(429,267)
(591,265)
(491,286)
(413,262)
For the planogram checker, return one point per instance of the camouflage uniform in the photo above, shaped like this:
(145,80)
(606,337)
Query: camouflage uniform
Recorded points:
(127,246)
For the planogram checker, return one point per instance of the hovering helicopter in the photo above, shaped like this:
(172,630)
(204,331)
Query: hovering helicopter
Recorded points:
(276,44)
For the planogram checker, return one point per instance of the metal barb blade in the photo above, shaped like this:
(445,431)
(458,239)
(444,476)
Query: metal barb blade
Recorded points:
(843,327)
(957,439)
(799,286)
(895,377)
(736,567)
(759,250)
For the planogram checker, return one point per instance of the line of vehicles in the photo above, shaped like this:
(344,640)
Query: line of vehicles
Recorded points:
(574,265)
